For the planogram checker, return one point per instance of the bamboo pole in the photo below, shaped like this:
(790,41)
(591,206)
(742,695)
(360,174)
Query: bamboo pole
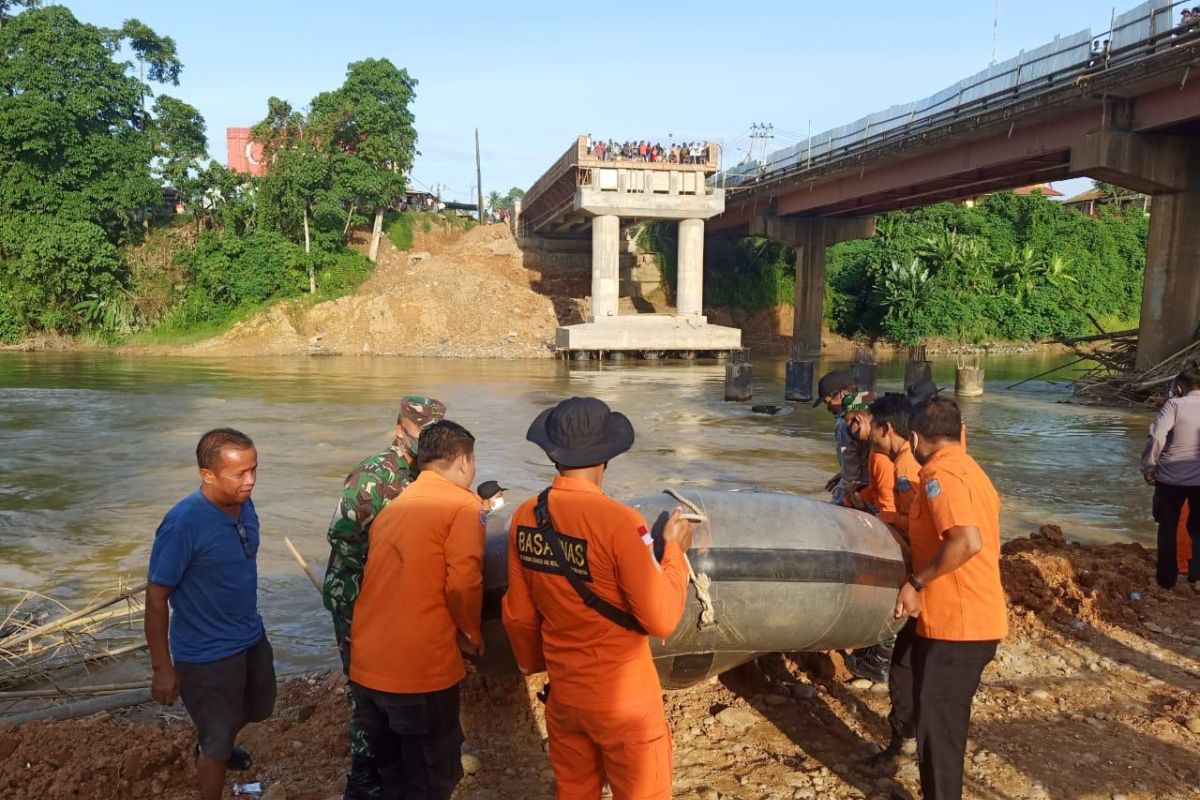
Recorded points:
(303,564)
(57,691)
(82,708)
(1047,372)
(1168,359)
(62,622)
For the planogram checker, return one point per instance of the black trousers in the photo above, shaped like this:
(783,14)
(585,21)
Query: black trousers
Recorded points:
(417,739)
(1168,504)
(902,685)
(946,676)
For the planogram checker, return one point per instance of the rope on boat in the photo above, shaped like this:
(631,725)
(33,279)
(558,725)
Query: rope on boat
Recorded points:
(701,582)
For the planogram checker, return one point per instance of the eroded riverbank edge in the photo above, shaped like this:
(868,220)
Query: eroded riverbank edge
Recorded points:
(1094,694)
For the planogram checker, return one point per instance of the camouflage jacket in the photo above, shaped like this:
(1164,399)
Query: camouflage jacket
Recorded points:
(371,486)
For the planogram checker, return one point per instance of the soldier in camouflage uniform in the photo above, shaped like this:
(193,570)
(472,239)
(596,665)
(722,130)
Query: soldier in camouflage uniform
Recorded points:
(371,486)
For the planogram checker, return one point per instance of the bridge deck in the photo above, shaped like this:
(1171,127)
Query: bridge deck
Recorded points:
(1008,126)
(550,206)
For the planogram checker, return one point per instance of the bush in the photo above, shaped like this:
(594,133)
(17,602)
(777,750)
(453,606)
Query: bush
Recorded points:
(400,230)
(12,322)
(1016,268)
(234,271)
(63,266)
(339,273)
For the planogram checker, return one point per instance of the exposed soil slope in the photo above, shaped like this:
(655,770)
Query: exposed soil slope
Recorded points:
(453,295)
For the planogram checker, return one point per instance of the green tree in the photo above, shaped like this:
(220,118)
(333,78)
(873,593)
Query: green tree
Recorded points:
(7,6)
(221,196)
(499,202)
(77,155)
(368,119)
(296,172)
(179,141)
(158,53)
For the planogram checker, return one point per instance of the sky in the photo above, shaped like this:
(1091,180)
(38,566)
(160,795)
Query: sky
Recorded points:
(533,75)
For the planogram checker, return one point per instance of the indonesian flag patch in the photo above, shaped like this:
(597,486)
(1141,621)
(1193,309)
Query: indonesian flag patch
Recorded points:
(647,539)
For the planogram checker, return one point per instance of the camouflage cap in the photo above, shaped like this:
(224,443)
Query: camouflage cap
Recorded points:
(424,411)
(858,402)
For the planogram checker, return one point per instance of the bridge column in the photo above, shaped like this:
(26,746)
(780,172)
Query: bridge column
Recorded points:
(810,310)
(689,273)
(1171,289)
(606,262)
(1167,167)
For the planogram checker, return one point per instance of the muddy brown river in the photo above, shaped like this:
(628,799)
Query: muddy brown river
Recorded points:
(94,448)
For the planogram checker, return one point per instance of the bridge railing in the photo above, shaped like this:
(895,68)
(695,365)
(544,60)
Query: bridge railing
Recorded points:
(1136,33)
(568,161)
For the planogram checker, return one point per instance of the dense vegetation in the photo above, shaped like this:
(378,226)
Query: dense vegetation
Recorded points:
(1013,268)
(86,147)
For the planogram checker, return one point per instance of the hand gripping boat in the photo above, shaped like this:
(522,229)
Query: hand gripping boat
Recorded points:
(786,574)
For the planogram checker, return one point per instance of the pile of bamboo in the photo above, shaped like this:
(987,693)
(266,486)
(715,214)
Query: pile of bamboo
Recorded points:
(34,650)
(1114,378)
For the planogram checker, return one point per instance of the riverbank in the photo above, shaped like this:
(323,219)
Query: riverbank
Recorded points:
(467,294)
(1094,695)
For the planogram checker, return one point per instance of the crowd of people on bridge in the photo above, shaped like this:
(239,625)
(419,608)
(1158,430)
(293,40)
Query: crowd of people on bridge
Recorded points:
(683,153)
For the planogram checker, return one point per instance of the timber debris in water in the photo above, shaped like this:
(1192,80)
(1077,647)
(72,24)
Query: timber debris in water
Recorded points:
(1115,380)
(40,636)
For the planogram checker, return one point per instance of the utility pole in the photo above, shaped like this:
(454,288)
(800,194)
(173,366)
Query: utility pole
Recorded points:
(478,176)
(763,133)
(995,28)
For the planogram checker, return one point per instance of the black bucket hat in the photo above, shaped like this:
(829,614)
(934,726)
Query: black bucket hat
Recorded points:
(581,432)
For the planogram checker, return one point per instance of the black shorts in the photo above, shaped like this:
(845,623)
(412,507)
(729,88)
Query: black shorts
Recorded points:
(222,696)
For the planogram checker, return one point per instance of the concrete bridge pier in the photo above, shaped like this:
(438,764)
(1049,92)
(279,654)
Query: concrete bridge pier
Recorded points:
(1167,167)
(810,236)
(613,192)
(606,266)
(689,278)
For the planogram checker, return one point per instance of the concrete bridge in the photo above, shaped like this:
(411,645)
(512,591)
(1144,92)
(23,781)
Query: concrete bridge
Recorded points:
(1128,114)
(584,196)
(1122,106)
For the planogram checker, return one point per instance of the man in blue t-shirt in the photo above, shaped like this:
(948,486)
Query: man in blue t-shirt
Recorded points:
(203,586)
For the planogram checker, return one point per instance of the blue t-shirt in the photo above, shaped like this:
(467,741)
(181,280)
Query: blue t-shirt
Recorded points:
(214,579)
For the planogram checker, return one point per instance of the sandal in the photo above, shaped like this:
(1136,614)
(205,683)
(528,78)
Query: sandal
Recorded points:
(239,760)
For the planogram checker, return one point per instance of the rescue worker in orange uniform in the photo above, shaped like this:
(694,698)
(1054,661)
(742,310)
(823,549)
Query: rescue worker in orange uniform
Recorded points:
(954,592)
(418,614)
(925,390)
(889,436)
(604,709)
(878,489)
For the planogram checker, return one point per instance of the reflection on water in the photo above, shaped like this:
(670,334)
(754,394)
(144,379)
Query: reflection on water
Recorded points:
(94,448)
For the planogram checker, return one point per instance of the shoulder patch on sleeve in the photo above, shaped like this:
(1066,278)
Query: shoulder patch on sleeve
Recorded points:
(644,532)
(903,484)
(932,488)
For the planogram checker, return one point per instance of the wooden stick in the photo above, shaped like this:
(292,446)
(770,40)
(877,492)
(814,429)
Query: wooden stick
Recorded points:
(82,708)
(1147,372)
(1047,372)
(303,564)
(58,691)
(62,622)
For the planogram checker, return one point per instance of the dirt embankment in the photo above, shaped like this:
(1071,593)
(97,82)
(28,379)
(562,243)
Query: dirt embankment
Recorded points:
(455,295)
(1092,697)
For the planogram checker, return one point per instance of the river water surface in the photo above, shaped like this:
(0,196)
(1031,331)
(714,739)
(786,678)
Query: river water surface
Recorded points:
(94,448)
